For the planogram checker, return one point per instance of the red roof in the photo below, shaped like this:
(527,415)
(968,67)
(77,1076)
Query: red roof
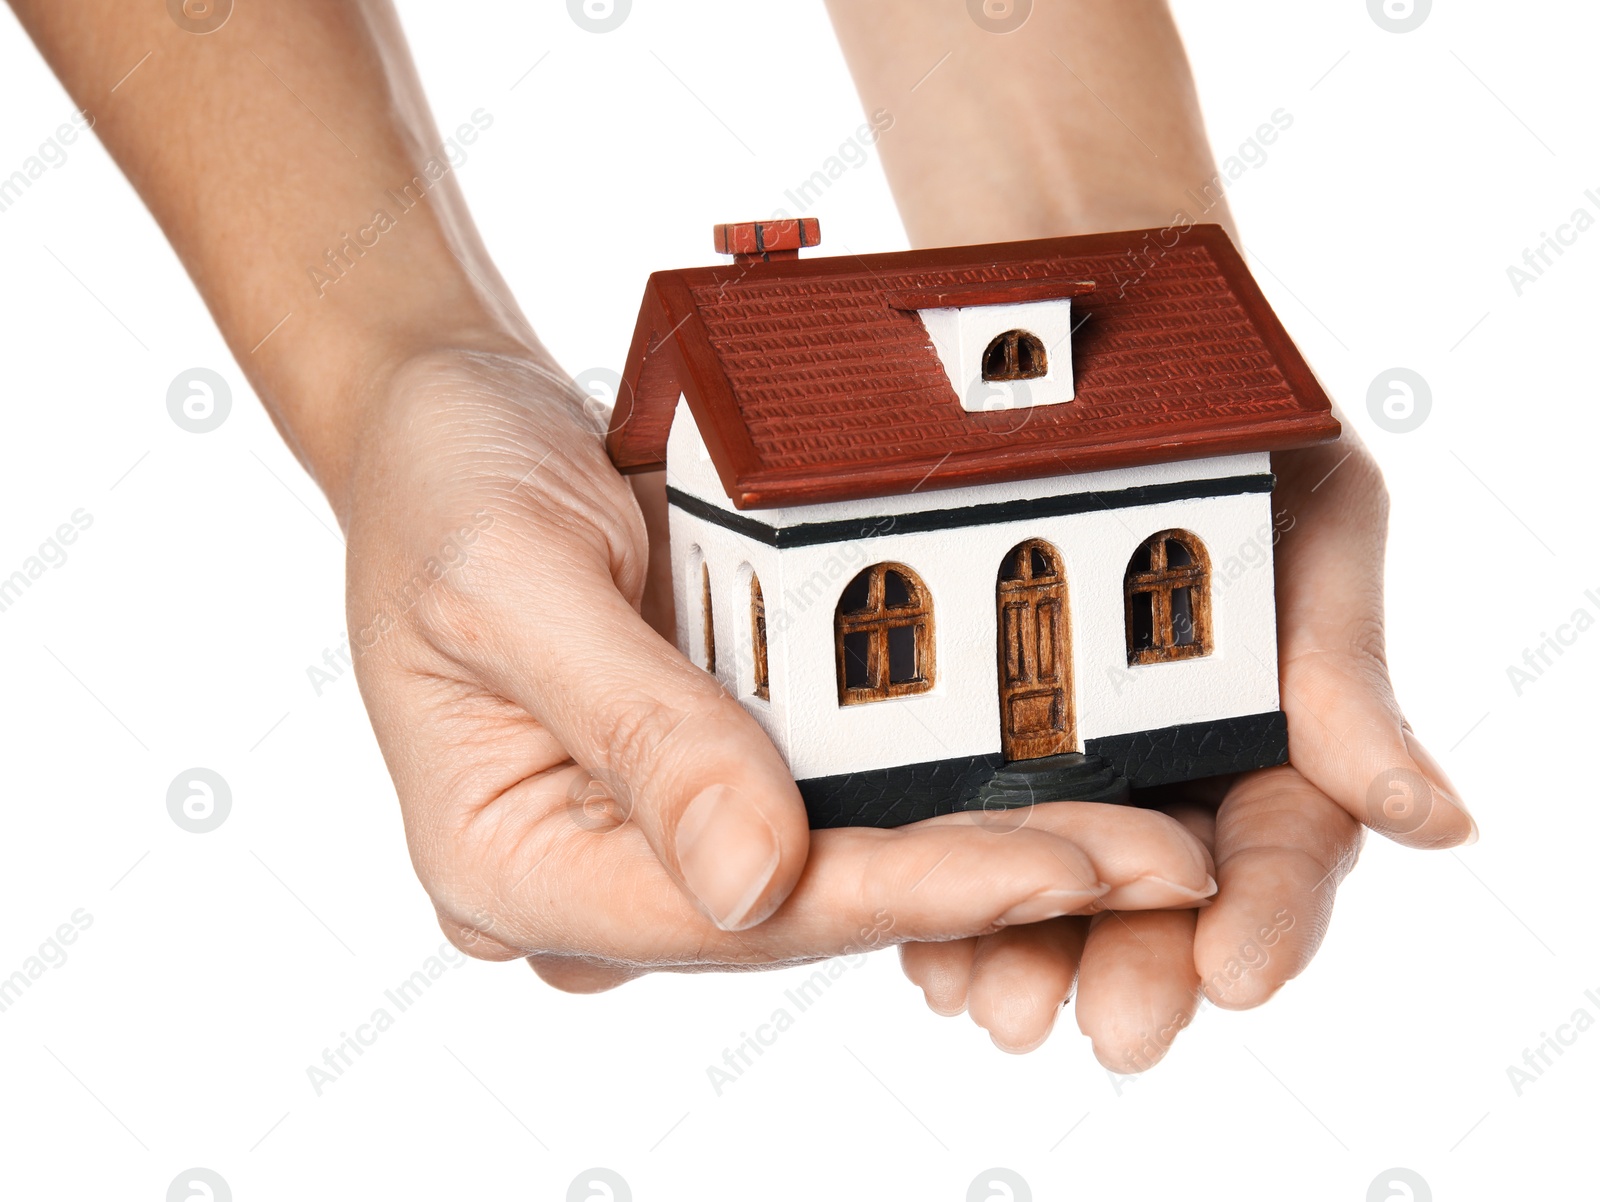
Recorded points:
(814,379)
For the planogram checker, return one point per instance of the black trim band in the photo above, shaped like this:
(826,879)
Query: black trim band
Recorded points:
(1195,749)
(887,797)
(809,534)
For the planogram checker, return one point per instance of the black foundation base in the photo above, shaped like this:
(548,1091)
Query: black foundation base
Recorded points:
(1104,772)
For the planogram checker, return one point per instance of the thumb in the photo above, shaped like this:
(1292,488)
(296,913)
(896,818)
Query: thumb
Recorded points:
(1346,732)
(684,760)
(1347,736)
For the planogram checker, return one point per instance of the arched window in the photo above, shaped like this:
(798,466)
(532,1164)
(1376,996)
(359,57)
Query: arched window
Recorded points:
(758,639)
(708,635)
(883,635)
(1015,355)
(1168,591)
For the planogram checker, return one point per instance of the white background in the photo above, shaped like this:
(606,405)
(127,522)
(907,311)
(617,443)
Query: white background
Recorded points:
(178,633)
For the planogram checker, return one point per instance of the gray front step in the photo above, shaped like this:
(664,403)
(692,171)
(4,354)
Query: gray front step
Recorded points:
(1071,777)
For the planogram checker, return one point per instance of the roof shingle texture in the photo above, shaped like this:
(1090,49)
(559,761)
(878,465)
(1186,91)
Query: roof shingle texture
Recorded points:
(827,390)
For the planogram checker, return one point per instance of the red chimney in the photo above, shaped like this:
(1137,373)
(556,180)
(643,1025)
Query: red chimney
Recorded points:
(764,241)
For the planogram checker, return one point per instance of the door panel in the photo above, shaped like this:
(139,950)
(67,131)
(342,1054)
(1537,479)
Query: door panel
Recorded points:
(1047,637)
(1036,713)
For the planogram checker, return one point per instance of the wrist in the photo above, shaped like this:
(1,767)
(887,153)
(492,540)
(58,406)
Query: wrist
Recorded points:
(327,382)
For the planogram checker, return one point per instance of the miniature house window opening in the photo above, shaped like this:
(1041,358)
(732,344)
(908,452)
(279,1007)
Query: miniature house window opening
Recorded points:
(1015,355)
(707,631)
(758,640)
(1168,596)
(883,635)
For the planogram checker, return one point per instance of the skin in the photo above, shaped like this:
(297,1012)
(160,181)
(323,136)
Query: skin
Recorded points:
(574,792)
(1086,119)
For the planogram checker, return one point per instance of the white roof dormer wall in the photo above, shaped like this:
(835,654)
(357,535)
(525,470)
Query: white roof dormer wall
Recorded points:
(963,337)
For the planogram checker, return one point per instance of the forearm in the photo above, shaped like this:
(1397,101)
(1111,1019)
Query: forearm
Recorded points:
(291,160)
(1084,119)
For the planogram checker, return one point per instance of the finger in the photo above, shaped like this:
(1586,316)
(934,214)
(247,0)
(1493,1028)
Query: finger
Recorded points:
(1346,731)
(1021,976)
(1137,986)
(942,971)
(695,772)
(477,943)
(656,604)
(571,974)
(569,890)
(1282,847)
(1135,850)
(581,974)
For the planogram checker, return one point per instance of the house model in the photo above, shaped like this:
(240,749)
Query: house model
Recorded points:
(978,526)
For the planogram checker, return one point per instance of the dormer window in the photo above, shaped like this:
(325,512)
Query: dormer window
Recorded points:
(1000,353)
(1015,355)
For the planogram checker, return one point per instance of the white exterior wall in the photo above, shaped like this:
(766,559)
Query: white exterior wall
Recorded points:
(731,558)
(960,715)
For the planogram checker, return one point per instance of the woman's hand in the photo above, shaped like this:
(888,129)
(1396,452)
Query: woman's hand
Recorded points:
(1282,838)
(578,793)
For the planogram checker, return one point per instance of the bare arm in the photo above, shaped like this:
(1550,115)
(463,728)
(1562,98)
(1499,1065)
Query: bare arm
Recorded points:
(1084,119)
(259,148)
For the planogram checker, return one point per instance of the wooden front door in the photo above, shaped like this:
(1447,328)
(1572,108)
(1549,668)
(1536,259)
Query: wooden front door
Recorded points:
(1036,716)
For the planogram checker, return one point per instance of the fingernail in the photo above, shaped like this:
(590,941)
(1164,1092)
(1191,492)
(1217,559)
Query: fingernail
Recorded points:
(1052,903)
(727,852)
(1439,781)
(1154,893)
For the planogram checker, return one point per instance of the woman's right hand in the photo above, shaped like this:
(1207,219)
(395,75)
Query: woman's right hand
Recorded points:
(575,791)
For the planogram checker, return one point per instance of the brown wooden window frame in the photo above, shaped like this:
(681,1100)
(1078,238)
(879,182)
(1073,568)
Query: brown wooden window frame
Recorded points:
(1013,346)
(876,619)
(1160,580)
(761,684)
